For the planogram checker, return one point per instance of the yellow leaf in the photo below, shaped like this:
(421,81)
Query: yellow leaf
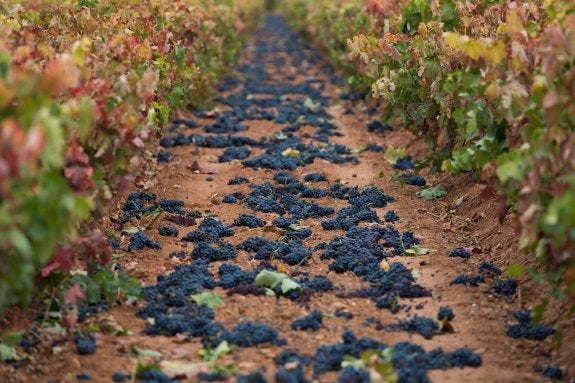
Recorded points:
(514,23)
(384,265)
(144,51)
(539,83)
(463,43)
(6,95)
(496,53)
(80,50)
(491,92)
(471,48)
(290,152)
(451,39)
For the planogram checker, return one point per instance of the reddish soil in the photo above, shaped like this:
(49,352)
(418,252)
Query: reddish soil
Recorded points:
(461,219)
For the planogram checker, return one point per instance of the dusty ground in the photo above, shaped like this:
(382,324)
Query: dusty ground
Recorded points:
(462,219)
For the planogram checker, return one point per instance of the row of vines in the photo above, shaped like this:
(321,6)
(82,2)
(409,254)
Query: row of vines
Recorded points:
(489,83)
(85,86)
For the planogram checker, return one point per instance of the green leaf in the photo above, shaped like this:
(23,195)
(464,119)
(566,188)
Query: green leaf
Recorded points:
(145,352)
(20,242)
(209,354)
(269,278)
(514,271)
(348,360)
(152,213)
(415,250)
(208,298)
(432,193)
(393,154)
(538,311)
(8,353)
(13,338)
(176,96)
(510,165)
(289,284)
(140,368)
(272,279)
(88,3)
(130,229)
(222,349)
(310,104)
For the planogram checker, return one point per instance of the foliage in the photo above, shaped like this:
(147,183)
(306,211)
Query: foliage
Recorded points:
(208,298)
(326,22)
(378,364)
(415,250)
(392,154)
(489,83)
(432,193)
(271,279)
(83,87)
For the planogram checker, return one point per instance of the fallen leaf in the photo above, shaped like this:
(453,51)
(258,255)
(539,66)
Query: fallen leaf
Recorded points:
(432,193)
(291,152)
(270,228)
(446,326)
(384,265)
(208,298)
(393,154)
(8,353)
(108,324)
(197,168)
(415,250)
(144,352)
(459,201)
(182,370)
(130,229)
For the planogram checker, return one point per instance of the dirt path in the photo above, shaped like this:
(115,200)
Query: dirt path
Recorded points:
(289,104)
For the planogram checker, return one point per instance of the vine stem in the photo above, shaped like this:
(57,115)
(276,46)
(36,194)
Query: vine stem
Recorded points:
(52,298)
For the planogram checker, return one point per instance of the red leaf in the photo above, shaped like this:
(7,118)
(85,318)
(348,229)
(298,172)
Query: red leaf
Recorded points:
(138,142)
(79,178)
(487,193)
(75,155)
(550,100)
(139,181)
(70,320)
(476,250)
(35,142)
(61,261)
(197,168)
(95,248)
(74,294)
(77,168)
(501,208)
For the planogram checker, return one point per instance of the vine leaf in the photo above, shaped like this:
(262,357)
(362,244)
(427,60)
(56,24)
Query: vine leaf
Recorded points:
(61,261)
